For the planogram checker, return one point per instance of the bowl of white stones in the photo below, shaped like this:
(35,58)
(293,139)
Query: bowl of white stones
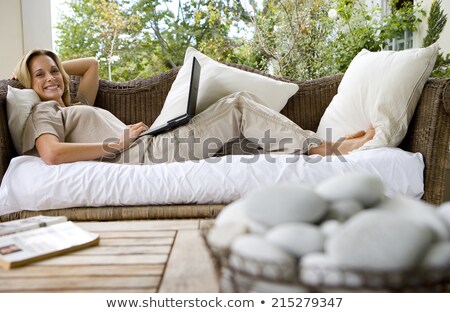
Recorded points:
(342,235)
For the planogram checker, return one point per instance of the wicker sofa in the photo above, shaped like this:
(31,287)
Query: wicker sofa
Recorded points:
(142,100)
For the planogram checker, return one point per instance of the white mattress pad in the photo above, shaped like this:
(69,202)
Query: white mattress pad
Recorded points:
(30,184)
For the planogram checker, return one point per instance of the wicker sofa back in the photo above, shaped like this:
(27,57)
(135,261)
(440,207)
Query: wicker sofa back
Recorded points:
(142,100)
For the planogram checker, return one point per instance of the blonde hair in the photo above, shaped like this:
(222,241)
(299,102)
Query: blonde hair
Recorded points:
(23,74)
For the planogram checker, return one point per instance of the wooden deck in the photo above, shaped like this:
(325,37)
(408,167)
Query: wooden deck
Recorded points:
(133,256)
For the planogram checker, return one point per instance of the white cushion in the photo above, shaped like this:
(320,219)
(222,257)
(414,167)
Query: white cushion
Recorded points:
(31,184)
(19,103)
(380,89)
(217,81)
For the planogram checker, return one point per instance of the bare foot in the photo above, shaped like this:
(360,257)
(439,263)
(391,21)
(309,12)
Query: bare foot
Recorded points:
(346,145)
(354,141)
(356,135)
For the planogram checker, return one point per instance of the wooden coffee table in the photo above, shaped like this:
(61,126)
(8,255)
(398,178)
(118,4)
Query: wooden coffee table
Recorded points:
(133,256)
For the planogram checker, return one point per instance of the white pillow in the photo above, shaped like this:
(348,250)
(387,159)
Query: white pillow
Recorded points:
(380,89)
(217,81)
(19,103)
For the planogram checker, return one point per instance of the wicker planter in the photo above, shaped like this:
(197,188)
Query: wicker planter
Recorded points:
(238,274)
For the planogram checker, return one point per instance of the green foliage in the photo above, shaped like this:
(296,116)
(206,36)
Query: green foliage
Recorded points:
(99,28)
(290,38)
(360,27)
(436,23)
(295,39)
(140,38)
(310,39)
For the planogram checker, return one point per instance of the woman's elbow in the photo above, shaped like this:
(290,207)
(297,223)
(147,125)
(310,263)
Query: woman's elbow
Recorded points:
(93,63)
(51,157)
(49,148)
(51,160)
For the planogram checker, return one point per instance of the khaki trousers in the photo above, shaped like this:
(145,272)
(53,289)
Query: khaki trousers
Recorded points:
(239,115)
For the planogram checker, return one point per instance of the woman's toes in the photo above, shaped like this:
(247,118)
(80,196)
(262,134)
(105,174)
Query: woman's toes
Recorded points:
(356,135)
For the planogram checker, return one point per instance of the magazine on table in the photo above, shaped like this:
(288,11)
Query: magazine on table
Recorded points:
(40,237)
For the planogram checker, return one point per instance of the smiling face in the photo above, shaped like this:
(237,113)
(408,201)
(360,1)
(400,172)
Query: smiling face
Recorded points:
(46,78)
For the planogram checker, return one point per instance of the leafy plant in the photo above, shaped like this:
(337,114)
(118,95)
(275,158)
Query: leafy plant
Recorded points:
(295,39)
(290,37)
(140,38)
(360,27)
(436,23)
(310,39)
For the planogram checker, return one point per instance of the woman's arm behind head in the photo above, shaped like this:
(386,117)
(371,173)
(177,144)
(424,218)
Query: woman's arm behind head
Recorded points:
(87,68)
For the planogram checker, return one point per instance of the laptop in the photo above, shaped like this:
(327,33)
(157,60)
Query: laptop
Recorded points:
(191,105)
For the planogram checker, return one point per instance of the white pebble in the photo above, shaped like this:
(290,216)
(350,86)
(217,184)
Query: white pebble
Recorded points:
(234,212)
(437,257)
(419,212)
(342,210)
(285,203)
(254,255)
(379,240)
(436,264)
(296,238)
(257,227)
(318,269)
(220,237)
(330,227)
(364,188)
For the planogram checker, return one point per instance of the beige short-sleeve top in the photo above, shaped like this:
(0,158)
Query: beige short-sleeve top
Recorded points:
(76,124)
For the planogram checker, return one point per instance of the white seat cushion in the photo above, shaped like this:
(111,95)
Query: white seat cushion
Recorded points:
(31,184)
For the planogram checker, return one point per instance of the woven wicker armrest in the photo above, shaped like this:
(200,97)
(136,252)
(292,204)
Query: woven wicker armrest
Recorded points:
(429,134)
(7,150)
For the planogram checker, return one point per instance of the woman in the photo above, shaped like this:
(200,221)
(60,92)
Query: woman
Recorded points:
(60,132)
